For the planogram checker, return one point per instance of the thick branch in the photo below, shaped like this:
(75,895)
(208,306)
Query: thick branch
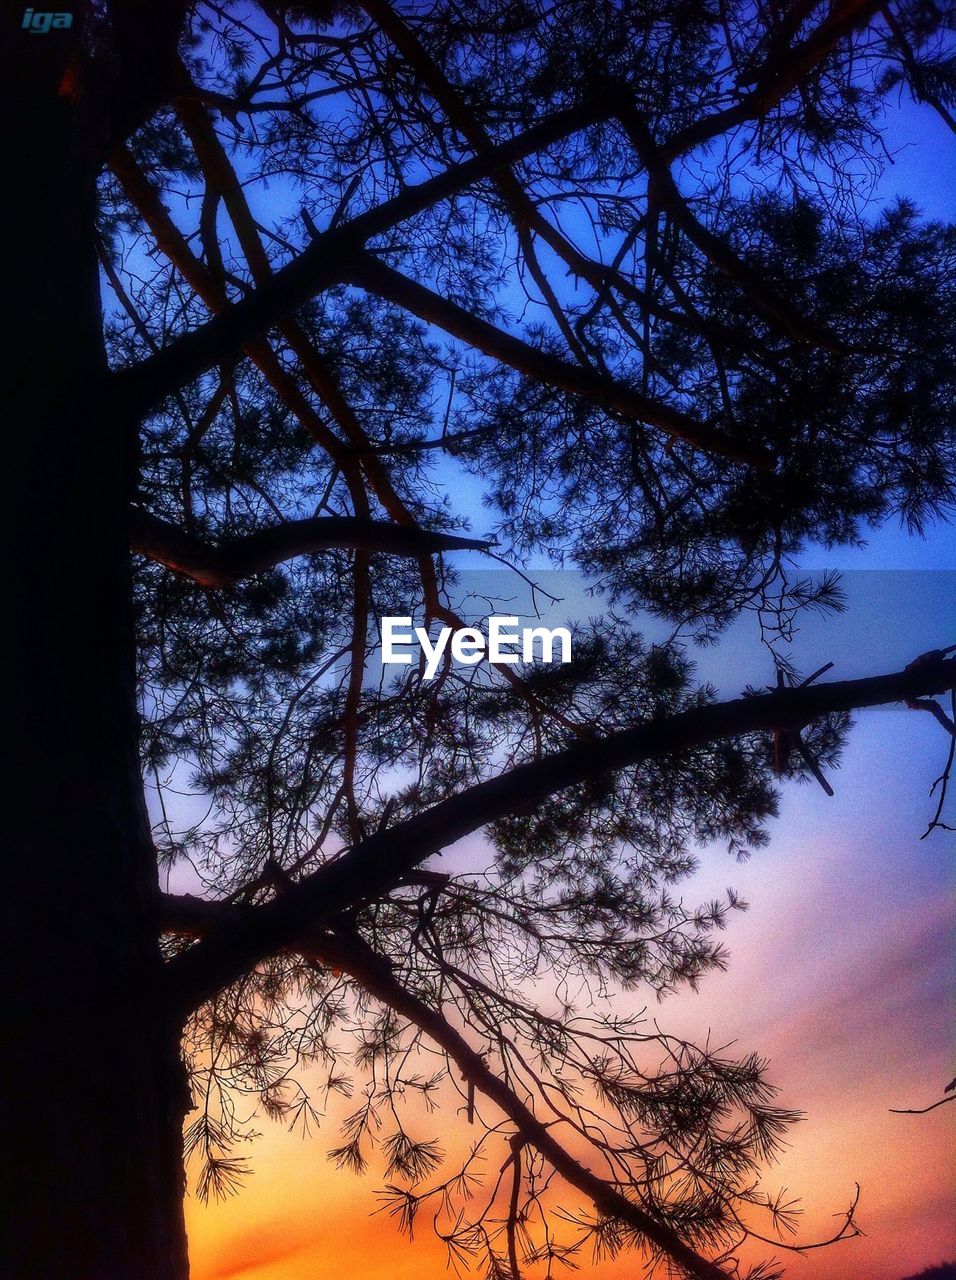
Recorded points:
(522,209)
(145,37)
(778,77)
(323,265)
(667,195)
(374,972)
(190,916)
(525,213)
(170,545)
(372,274)
(372,868)
(211,289)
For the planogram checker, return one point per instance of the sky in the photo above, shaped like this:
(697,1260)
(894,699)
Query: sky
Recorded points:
(840,971)
(840,974)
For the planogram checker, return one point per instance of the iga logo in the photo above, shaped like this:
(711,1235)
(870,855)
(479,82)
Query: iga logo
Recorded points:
(40,23)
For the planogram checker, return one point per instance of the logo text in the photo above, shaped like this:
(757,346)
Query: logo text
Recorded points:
(505,644)
(39,24)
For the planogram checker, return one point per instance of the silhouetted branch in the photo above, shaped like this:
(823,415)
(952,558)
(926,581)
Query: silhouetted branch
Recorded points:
(350,954)
(942,782)
(171,545)
(665,193)
(847,1231)
(375,866)
(921,90)
(323,264)
(936,711)
(372,274)
(145,197)
(780,75)
(525,216)
(921,1111)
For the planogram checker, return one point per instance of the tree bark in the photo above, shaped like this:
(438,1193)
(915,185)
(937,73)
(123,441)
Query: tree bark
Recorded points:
(93,1076)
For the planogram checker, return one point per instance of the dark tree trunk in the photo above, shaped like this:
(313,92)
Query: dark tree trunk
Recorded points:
(94,1089)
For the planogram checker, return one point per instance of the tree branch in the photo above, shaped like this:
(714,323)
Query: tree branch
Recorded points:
(352,955)
(208,566)
(922,1111)
(920,89)
(374,867)
(524,215)
(210,288)
(145,37)
(372,274)
(190,916)
(667,195)
(777,77)
(323,265)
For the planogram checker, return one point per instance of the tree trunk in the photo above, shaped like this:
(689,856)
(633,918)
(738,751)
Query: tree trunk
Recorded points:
(94,1084)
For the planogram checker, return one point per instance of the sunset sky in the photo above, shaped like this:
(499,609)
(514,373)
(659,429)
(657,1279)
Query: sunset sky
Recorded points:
(840,972)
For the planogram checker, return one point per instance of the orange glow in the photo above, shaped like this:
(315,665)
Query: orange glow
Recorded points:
(70,80)
(843,988)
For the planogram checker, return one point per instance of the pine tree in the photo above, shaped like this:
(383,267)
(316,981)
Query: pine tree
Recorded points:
(286,281)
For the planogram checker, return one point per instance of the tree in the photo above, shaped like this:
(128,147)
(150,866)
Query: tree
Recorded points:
(293,271)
